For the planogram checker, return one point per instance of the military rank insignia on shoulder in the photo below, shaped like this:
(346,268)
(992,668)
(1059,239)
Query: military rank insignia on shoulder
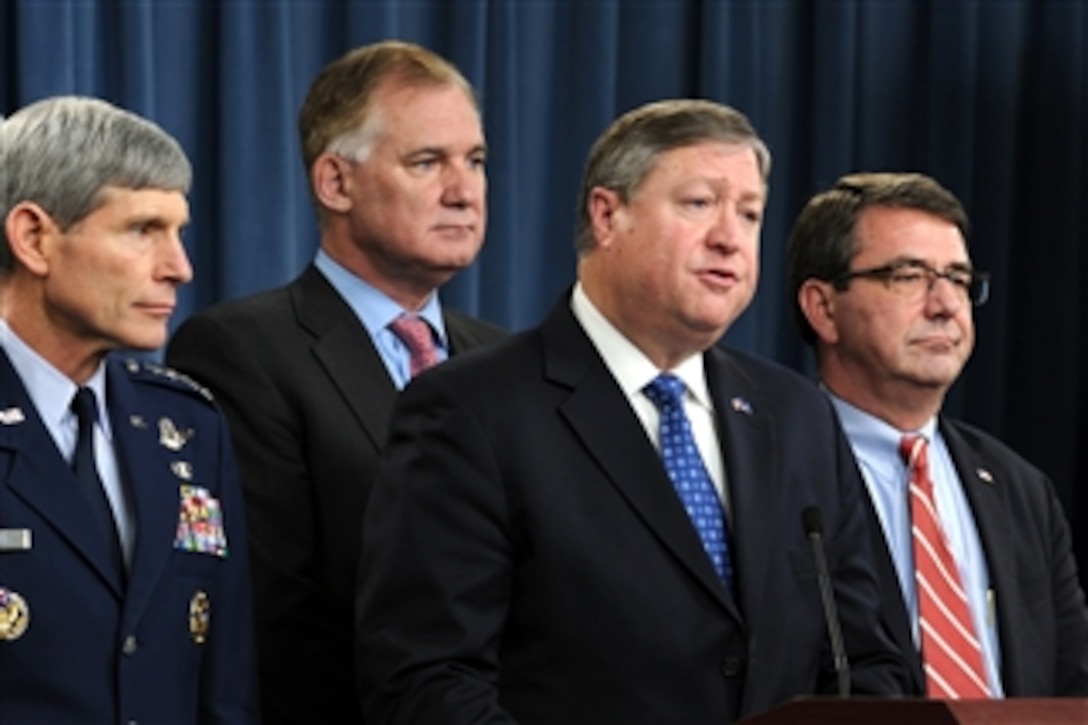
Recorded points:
(142,370)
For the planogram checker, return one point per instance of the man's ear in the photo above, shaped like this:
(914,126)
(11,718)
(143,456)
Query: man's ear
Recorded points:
(329,176)
(602,206)
(817,301)
(29,228)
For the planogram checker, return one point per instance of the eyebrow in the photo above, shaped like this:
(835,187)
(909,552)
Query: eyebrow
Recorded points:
(444,151)
(903,260)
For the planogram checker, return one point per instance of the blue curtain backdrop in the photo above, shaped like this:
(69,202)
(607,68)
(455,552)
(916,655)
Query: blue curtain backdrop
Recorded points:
(989,96)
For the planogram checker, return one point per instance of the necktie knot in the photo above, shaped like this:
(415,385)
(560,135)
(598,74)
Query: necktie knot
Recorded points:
(665,391)
(912,448)
(416,335)
(84,405)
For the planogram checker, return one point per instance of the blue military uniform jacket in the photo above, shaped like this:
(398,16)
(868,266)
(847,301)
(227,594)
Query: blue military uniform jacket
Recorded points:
(171,642)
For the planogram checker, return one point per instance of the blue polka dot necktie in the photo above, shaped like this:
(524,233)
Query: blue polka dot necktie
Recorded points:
(689,476)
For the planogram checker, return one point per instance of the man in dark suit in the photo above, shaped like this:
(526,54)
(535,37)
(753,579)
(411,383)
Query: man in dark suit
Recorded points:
(884,289)
(124,584)
(527,555)
(307,373)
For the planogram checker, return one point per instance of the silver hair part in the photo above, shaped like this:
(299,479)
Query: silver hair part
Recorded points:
(61,153)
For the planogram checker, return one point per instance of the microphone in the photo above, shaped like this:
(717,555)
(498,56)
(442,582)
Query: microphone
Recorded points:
(814,530)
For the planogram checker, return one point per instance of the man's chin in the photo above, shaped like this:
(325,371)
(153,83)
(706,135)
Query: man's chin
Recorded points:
(938,378)
(143,340)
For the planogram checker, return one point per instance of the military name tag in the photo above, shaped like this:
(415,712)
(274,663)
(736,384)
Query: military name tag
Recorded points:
(15,540)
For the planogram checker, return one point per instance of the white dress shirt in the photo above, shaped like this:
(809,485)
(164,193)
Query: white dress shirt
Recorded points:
(633,371)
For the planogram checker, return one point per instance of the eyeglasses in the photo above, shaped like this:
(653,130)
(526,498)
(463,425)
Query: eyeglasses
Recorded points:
(913,279)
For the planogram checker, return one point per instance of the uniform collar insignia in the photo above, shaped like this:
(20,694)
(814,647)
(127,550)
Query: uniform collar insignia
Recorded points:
(172,438)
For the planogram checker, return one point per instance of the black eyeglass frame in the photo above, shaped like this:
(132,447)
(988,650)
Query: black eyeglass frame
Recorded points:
(976,284)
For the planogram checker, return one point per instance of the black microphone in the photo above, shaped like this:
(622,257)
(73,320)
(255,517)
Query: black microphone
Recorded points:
(814,529)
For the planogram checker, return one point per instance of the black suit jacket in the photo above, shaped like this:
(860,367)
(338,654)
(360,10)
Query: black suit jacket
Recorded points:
(308,400)
(1041,614)
(526,558)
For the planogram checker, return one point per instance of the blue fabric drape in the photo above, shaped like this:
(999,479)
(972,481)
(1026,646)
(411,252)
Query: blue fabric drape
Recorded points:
(988,97)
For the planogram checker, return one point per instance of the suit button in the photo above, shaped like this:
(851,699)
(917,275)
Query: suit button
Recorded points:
(130,646)
(731,666)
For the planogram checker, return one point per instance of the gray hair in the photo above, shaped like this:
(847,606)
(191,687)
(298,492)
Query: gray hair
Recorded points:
(627,152)
(61,153)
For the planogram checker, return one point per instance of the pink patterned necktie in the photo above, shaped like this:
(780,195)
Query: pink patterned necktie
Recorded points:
(951,652)
(416,335)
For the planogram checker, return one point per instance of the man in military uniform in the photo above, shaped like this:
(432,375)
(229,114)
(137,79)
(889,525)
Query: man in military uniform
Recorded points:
(124,583)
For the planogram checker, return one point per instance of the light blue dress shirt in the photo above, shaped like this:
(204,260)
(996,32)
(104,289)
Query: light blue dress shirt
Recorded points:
(52,392)
(376,310)
(876,447)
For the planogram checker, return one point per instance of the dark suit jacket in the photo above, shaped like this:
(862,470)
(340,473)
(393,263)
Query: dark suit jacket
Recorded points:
(97,649)
(308,400)
(1041,614)
(526,558)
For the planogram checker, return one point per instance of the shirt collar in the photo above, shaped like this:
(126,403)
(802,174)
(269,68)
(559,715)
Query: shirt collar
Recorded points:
(629,365)
(872,434)
(49,389)
(373,307)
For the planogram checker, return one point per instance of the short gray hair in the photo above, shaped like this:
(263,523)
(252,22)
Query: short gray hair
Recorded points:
(62,152)
(626,153)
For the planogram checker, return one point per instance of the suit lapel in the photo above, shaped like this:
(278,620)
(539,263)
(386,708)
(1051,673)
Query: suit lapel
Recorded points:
(39,476)
(750,465)
(345,351)
(983,486)
(893,605)
(460,338)
(145,466)
(621,447)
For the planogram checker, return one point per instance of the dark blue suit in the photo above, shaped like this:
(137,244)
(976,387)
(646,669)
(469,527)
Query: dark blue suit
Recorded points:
(170,643)
(526,559)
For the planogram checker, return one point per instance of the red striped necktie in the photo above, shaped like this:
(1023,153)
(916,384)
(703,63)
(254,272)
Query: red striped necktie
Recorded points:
(951,652)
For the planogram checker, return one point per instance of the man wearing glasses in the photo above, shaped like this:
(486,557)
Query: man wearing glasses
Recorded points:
(979,574)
